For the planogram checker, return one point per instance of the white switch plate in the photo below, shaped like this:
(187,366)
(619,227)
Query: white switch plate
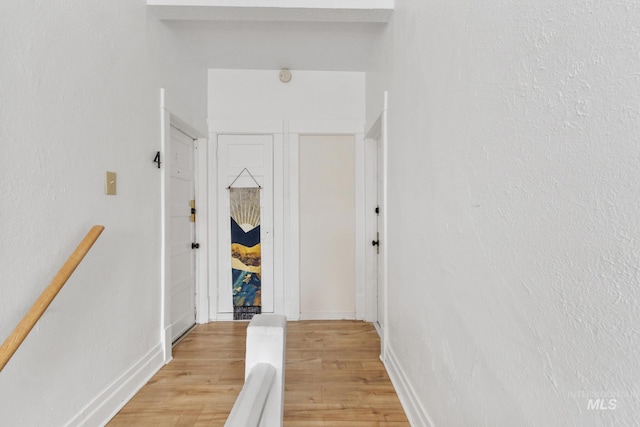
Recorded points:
(110,183)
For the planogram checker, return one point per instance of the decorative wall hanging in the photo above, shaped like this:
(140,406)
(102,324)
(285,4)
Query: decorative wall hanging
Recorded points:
(246,257)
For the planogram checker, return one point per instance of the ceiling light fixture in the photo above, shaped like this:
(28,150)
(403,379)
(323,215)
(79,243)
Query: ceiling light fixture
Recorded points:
(285,75)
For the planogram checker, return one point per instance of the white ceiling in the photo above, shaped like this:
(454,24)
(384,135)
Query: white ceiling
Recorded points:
(321,46)
(274,10)
(321,35)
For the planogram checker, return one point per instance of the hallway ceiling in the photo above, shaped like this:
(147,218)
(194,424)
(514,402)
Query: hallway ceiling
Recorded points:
(321,46)
(314,35)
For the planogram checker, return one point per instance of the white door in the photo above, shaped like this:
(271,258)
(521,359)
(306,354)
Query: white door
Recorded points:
(235,153)
(327,227)
(380,244)
(378,134)
(182,255)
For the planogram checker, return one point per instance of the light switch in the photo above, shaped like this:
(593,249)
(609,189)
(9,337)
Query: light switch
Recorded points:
(110,187)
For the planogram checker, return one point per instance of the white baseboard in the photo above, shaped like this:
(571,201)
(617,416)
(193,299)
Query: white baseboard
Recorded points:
(167,345)
(414,410)
(107,404)
(223,317)
(378,329)
(227,317)
(328,316)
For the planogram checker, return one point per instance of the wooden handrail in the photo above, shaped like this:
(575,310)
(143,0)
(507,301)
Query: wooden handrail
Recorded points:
(29,320)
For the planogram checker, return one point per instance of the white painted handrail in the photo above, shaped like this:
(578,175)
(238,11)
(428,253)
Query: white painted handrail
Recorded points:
(252,399)
(261,400)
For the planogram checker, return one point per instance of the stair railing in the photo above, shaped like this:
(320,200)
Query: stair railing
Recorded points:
(261,400)
(15,339)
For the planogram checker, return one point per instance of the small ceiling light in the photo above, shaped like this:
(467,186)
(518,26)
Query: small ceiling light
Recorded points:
(285,75)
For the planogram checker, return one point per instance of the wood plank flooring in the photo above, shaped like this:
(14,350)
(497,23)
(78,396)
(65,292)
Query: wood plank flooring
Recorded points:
(333,378)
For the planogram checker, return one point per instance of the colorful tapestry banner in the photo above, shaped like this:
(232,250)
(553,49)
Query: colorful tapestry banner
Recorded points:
(246,256)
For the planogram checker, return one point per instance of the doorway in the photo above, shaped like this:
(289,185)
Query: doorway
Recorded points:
(327,227)
(273,158)
(377,285)
(245,161)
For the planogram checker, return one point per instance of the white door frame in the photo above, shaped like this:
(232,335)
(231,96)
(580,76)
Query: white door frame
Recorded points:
(295,128)
(245,127)
(167,120)
(286,205)
(378,135)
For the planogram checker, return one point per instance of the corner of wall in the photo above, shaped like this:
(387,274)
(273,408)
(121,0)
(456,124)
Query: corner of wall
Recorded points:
(107,404)
(416,413)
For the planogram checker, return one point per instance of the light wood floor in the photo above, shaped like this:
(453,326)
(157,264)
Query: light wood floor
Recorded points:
(333,378)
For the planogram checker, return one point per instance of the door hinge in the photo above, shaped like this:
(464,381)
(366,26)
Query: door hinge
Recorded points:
(377,210)
(156,159)
(192,203)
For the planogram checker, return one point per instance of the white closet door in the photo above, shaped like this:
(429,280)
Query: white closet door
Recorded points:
(255,153)
(327,227)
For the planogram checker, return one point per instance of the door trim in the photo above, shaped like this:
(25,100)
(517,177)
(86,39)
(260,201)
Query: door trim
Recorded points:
(167,120)
(286,201)
(379,134)
(295,128)
(243,127)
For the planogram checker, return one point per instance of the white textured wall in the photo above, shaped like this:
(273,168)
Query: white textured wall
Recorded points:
(79,95)
(514,208)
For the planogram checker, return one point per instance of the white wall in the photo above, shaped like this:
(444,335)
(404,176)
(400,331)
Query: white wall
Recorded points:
(513,209)
(310,95)
(327,227)
(81,95)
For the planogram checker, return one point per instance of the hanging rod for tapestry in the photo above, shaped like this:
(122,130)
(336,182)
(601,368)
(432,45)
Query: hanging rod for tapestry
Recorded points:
(241,172)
